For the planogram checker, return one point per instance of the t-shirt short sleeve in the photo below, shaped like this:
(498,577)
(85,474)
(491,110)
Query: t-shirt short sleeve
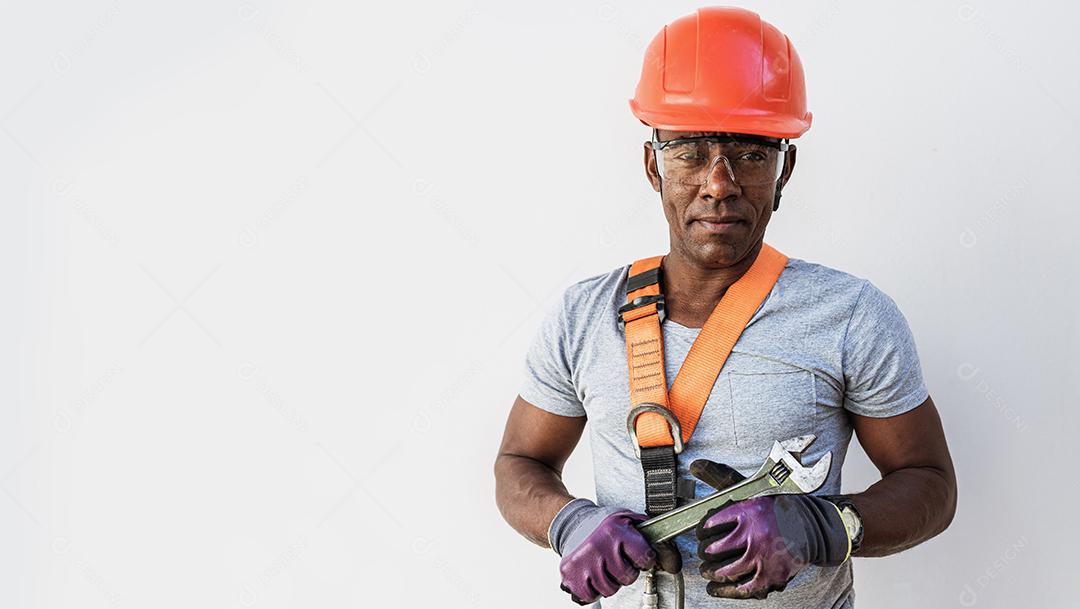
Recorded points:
(548,382)
(882,374)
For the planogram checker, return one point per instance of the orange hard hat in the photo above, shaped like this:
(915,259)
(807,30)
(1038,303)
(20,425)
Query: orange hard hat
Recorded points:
(722,69)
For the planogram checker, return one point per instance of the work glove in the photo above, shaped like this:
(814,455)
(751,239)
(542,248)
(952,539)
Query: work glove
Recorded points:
(602,551)
(754,547)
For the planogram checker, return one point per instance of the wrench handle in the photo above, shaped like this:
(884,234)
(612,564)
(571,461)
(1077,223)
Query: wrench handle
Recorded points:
(670,524)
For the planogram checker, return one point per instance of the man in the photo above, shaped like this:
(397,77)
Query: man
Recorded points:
(824,353)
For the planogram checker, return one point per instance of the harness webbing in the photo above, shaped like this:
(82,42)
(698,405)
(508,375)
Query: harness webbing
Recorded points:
(641,318)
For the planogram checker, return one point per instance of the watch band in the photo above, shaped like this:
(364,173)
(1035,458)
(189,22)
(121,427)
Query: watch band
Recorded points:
(852,519)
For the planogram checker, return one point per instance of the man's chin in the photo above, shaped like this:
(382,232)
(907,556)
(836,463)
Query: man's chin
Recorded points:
(720,251)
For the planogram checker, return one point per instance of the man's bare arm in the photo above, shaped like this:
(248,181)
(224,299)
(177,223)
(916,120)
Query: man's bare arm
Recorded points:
(528,471)
(916,496)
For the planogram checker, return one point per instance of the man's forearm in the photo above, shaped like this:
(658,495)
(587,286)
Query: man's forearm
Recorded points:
(905,508)
(529,495)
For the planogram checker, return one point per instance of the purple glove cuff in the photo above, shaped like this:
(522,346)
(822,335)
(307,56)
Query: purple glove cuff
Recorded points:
(574,522)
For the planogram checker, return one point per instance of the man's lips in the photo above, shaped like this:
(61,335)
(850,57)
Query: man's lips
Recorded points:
(720,224)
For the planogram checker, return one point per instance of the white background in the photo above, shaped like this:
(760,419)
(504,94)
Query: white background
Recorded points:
(271,268)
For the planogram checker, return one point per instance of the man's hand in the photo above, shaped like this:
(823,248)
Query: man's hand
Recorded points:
(531,496)
(601,550)
(754,547)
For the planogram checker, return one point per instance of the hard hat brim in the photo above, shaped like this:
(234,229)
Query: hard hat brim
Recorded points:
(693,118)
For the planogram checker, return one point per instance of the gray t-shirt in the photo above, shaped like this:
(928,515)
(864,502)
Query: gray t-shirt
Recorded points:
(822,344)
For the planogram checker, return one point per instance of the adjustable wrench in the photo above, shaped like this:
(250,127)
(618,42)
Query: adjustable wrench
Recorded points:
(780,474)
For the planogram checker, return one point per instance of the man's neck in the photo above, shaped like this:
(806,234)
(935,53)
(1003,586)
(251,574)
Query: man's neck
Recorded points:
(691,291)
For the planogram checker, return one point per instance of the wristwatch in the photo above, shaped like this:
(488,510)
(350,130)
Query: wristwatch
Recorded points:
(852,520)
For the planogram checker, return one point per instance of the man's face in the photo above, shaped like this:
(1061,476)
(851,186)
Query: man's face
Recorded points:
(717,223)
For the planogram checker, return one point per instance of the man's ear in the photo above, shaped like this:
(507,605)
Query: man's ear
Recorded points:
(789,164)
(650,167)
(785,175)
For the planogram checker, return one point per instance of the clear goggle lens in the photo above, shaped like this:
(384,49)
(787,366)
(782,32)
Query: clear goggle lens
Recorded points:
(745,163)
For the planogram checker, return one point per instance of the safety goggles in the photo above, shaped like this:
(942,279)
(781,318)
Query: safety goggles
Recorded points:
(748,160)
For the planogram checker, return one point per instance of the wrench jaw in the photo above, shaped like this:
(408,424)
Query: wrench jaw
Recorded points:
(784,452)
(808,479)
(797,444)
(790,474)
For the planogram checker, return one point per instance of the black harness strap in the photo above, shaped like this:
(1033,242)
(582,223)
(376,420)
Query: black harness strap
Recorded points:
(661,472)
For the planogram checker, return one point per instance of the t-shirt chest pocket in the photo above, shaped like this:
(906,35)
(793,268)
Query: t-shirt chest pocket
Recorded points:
(770,401)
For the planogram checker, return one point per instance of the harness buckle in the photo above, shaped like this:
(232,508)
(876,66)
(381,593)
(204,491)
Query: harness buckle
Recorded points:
(673,422)
(642,301)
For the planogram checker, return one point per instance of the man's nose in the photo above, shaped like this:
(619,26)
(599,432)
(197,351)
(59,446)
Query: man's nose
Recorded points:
(720,180)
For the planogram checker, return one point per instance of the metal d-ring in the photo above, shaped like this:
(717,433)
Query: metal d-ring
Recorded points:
(673,422)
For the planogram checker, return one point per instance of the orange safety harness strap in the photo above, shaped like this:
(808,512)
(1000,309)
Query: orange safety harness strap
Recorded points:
(641,318)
